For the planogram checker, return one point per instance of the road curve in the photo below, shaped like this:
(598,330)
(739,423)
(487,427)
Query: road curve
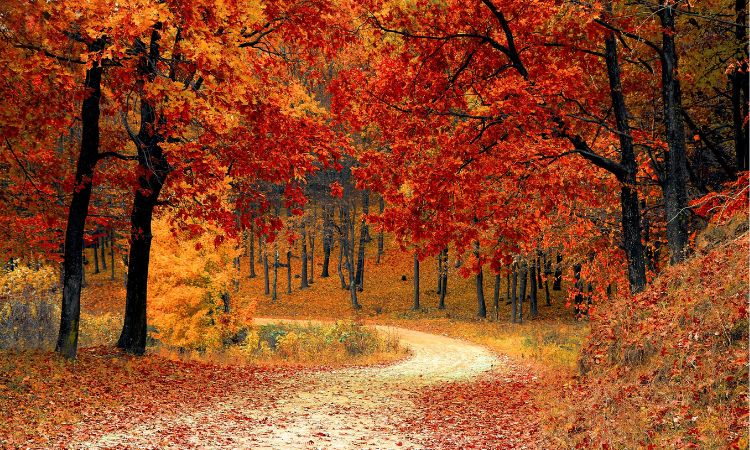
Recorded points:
(349,408)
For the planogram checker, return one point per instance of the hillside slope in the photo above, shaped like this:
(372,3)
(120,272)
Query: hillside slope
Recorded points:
(668,369)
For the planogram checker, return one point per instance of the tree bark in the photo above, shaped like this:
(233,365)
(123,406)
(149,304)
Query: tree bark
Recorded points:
(629,202)
(557,284)
(533,308)
(481,305)
(522,274)
(497,296)
(112,254)
(303,283)
(675,182)
(415,305)
(103,256)
(251,251)
(327,239)
(70,311)
(266,276)
(153,169)
(289,271)
(95,250)
(381,234)
(514,293)
(363,235)
(443,278)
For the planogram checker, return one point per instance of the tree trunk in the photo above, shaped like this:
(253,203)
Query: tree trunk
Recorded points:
(343,230)
(443,278)
(415,305)
(533,290)
(557,284)
(739,80)
(153,170)
(112,254)
(303,282)
(381,234)
(266,278)
(289,271)
(497,296)
(312,247)
(95,249)
(103,256)
(274,287)
(514,293)
(522,274)
(70,311)
(251,251)
(363,235)
(629,203)
(481,305)
(327,239)
(675,182)
(347,223)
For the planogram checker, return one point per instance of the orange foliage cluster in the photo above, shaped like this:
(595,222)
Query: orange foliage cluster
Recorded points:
(669,368)
(47,403)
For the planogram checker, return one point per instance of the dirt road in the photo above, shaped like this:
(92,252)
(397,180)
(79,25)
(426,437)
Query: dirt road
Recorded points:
(341,409)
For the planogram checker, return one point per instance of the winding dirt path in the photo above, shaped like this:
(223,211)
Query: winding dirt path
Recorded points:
(349,408)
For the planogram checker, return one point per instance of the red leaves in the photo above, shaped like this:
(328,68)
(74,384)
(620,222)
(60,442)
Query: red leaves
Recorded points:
(337,191)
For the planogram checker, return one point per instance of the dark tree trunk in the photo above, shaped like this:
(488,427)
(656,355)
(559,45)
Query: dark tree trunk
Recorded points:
(327,239)
(629,203)
(363,236)
(288,271)
(102,247)
(266,276)
(381,234)
(415,305)
(343,231)
(522,273)
(274,295)
(261,255)
(481,305)
(70,311)
(507,287)
(439,272)
(95,250)
(533,307)
(303,282)
(312,247)
(347,224)
(514,293)
(443,278)
(739,78)
(557,284)
(153,169)
(497,296)
(675,182)
(112,254)
(251,251)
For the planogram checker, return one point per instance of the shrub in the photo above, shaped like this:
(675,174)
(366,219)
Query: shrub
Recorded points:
(28,307)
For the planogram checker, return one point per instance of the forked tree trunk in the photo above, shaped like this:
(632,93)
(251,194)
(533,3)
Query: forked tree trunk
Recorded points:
(153,170)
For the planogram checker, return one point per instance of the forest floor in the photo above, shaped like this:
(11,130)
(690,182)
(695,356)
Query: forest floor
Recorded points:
(394,406)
